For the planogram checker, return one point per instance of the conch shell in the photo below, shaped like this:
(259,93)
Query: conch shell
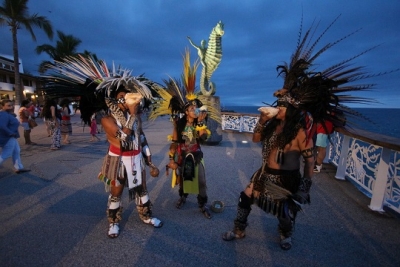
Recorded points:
(133,98)
(271,111)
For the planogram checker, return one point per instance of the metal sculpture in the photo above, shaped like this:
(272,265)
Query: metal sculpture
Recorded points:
(210,57)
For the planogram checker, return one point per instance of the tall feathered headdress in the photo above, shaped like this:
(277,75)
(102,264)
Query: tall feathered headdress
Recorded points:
(176,95)
(92,81)
(322,93)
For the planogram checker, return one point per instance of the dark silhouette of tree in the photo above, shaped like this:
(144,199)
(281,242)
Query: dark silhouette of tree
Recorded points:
(15,14)
(66,45)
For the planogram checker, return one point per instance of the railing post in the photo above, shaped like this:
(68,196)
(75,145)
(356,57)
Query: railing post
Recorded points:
(378,192)
(241,124)
(341,168)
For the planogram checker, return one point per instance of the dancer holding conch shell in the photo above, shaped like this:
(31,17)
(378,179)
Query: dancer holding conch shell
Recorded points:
(270,111)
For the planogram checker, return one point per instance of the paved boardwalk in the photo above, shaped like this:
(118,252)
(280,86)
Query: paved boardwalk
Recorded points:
(55,214)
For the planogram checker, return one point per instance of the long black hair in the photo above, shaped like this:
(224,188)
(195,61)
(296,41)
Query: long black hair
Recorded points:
(294,121)
(46,112)
(65,103)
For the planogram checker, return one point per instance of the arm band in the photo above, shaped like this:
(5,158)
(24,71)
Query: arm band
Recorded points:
(121,135)
(128,145)
(307,153)
(146,150)
(259,128)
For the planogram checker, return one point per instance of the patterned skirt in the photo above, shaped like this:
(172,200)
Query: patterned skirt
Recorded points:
(66,127)
(273,188)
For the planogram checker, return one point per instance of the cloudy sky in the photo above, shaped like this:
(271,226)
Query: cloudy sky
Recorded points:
(149,36)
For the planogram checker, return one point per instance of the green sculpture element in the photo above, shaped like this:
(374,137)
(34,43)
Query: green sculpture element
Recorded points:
(210,58)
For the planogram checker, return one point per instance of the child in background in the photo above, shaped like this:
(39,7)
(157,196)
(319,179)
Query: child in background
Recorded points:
(93,128)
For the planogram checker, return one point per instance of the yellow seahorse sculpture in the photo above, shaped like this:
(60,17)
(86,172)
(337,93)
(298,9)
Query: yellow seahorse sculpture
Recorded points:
(210,58)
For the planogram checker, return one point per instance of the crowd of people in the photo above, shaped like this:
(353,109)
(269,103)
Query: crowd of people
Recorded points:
(56,116)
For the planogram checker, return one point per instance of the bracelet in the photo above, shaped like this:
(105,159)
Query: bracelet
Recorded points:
(258,129)
(261,125)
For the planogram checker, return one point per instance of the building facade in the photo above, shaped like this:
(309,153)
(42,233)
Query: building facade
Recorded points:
(30,83)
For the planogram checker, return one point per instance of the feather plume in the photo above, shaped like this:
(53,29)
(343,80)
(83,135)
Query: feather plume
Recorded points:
(91,80)
(189,75)
(323,93)
(175,93)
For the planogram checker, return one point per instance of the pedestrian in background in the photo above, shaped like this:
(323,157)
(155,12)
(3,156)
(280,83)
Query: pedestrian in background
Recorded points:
(8,136)
(66,126)
(24,117)
(93,128)
(50,114)
(323,132)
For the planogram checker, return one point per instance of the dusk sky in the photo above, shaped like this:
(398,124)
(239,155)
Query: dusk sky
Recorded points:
(149,37)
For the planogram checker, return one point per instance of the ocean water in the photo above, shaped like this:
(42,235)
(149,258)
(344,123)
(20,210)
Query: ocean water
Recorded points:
(384,121)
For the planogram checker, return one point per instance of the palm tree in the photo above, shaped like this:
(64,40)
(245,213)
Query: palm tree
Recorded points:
(89,54)
(14,14)
(65,46)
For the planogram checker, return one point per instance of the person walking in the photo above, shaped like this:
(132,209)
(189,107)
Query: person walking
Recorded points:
(324,129)
(24,117)
(50,111)
(66,126)
(93,128)
(8,136)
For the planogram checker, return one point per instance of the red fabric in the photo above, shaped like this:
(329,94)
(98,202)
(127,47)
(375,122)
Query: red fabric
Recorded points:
(31,109)
(23,114)
(93,127)
(66,118)
(117,151)
(182,147)
(329,127)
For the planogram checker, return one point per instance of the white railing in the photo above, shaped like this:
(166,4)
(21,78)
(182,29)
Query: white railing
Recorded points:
(371,164)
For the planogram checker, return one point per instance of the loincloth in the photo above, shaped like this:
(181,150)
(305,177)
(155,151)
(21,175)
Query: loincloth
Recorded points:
(272,188)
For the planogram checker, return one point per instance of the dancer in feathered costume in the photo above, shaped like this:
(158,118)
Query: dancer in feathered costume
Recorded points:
(124,164)
(188,115)
(279,187)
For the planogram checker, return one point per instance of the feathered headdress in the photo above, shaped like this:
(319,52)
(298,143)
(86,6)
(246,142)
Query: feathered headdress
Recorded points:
(176,96)
(92,81)
(320,92)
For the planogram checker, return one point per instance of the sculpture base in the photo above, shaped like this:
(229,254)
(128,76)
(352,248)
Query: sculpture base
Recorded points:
(212,125)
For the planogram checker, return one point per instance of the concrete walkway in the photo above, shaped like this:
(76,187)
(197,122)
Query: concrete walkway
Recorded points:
(55,214)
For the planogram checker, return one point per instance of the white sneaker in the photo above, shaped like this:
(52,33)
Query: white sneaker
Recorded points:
(317,168)
(154,221)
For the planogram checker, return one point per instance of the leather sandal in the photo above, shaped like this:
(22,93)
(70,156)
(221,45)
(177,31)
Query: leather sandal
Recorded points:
(231,235)
(154,222)
(286,243)
(113,231)
(206,212)
(181,201)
